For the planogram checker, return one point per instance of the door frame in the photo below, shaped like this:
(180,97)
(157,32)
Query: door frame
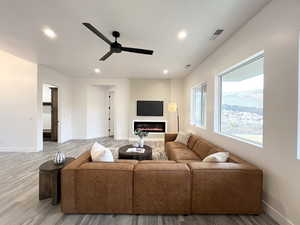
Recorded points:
(59,96)
(54,114)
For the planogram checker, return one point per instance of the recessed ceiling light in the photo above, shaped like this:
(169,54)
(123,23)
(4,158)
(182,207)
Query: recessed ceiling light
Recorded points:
(49,33)
(165,71)
(97,70)
(181,34)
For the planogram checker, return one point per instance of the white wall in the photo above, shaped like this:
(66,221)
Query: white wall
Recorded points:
(165,90)
(276,31)
(80,104)
(64,84)
(148,90)
(177,96)
(18,103)
(97,112)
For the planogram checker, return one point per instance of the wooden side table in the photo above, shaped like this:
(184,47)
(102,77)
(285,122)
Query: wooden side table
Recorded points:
(49,180)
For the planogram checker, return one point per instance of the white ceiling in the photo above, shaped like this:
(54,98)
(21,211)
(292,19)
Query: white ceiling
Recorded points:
(150,24)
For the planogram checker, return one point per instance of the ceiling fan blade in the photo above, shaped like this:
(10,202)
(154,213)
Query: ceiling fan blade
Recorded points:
(137,50)
(106,56)
(95,31)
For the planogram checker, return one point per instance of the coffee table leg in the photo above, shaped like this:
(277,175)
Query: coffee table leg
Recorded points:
(55,189)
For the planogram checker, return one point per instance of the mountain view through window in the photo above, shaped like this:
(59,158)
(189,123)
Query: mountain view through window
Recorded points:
(242,101)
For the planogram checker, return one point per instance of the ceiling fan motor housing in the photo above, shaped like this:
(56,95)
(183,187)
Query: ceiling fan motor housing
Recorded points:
(115,47)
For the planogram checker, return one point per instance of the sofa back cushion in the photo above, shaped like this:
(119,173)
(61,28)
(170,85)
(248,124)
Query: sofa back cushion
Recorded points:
(192,141)
(163,188)
(104,187)
(202,149)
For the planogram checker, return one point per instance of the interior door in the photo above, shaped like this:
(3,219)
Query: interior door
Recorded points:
(54,114)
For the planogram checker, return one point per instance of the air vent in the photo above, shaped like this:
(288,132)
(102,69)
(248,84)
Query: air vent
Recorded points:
(216,34)
(187,66)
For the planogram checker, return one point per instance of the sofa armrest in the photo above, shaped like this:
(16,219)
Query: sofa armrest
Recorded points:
(75,164)
(68,182)
(170,137)
(226,188)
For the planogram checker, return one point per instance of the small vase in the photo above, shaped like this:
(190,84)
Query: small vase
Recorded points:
(59,158)
(141,142)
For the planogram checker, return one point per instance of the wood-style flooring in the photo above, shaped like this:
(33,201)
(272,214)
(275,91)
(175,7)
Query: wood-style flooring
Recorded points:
(19,204)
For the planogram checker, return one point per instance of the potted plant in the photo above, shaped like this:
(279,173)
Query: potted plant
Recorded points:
(141,133)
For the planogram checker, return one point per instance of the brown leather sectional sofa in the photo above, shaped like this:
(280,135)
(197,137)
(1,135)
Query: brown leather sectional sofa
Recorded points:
(181,185)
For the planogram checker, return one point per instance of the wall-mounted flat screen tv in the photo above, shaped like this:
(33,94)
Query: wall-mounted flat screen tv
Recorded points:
(150,108)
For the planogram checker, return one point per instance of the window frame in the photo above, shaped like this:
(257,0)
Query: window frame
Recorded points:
(218,99)
(203,103)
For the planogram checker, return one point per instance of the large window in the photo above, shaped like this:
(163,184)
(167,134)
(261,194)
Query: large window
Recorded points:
(241,101)
(198,107)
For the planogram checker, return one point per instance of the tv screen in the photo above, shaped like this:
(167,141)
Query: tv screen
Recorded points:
(150,108)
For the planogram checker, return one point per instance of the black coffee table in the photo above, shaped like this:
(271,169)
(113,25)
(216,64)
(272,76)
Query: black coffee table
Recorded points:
(123,154)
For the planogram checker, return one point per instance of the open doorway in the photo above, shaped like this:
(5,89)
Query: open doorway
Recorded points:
(111,114)
(50,112)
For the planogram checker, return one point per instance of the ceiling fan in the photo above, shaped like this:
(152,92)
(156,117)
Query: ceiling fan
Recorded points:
(115,47)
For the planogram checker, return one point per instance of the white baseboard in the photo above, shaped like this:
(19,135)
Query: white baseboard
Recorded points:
(276,215)
(18,149)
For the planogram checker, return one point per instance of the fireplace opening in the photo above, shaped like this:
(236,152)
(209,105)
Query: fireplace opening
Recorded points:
(150,126)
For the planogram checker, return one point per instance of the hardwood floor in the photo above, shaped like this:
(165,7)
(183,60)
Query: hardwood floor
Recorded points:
(19,204)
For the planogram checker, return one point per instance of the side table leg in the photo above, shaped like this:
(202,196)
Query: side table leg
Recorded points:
(55,189)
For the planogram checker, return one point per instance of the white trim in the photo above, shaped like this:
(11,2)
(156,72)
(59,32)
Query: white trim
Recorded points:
(18,149)
(199,85)
(250,59)
(298,113)
(218,98)
(276,215)
(239,139)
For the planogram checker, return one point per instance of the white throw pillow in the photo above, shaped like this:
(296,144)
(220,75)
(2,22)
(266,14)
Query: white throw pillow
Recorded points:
(99,153)
(182,138)
(218,157)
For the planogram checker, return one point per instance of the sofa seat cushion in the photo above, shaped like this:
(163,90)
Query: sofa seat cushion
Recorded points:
(175,145)
(202,149)
(182,154)
(172,145)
